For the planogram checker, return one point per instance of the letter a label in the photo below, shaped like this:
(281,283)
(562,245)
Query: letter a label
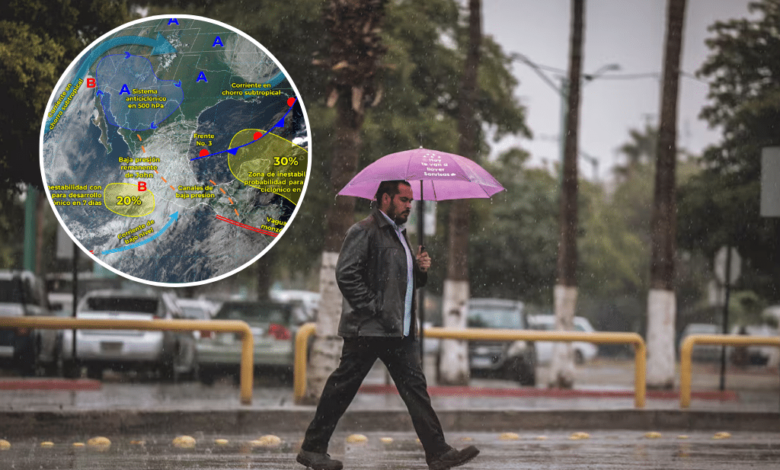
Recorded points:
(127,90)
(217,41)
(201,76)
(141,186)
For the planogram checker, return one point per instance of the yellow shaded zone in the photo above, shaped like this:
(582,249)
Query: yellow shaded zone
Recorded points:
(273,164)
(125,199)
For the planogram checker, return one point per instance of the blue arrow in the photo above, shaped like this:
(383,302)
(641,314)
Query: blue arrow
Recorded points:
(160,45)
(174,218)
(233,151)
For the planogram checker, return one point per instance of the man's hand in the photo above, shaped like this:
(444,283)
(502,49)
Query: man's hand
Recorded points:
(423,260)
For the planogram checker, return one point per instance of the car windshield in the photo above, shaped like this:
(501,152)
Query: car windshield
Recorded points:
(122,304)
(255,313)
(11,292)
(697,329)
(196,313)
(494,318)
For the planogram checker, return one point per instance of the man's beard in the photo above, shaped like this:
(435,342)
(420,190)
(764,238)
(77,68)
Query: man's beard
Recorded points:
(399,219)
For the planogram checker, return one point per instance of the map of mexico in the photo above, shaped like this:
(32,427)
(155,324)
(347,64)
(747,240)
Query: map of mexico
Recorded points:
(175,150)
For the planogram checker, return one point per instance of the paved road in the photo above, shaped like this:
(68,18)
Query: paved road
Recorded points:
(603,450)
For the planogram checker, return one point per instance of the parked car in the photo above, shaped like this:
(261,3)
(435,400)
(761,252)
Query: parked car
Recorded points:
(515,360)
(170,354)
(753,355)
(27,350)
(583,351)
(272,326)
(702,352)
(305,303)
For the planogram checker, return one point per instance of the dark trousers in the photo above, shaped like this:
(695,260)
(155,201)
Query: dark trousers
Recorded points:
(402,359)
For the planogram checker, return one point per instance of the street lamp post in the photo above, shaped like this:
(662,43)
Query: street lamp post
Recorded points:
(563,92)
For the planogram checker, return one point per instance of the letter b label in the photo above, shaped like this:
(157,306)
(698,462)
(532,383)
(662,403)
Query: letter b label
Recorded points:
(141,186)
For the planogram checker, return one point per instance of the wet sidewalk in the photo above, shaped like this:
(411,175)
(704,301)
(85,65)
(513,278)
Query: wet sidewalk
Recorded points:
(601,385)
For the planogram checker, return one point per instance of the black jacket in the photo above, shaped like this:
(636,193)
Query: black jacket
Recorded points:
(371,274)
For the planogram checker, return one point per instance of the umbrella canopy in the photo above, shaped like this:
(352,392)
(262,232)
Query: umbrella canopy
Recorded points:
(443,175)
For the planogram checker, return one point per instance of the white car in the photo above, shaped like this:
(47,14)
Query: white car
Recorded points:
(170,354)
(583,351)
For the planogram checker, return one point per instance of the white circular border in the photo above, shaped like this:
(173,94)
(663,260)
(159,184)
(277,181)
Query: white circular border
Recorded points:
(270,245)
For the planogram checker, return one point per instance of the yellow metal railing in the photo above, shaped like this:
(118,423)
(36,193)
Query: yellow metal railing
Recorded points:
(220,326)
(686,352)
(299,368)
(486,334)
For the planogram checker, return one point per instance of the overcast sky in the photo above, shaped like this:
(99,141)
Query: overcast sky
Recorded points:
(629,33)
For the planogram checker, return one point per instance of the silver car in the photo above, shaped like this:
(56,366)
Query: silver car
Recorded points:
(169,354)
(273,331)
(515,360)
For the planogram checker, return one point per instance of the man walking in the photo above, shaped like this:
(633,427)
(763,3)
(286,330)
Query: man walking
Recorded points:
(377,276)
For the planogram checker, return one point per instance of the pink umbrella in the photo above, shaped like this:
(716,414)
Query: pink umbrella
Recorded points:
(442,176)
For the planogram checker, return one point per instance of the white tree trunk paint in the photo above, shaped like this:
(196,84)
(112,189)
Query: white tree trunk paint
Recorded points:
(454,364)
(661,313)
(562,364)
(326,348)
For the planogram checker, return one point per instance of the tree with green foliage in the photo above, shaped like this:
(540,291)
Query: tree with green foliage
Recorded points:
(426,49)
(720,206)
(513,241)
(38,40)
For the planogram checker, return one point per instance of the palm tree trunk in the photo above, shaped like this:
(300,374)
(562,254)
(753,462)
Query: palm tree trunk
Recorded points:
(661,302)
(565,295)
(355,55)
(454,366)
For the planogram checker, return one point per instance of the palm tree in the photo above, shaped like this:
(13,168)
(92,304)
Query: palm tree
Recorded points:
(661,302)
(355,57)
(565,296)
(639,151)
(454,367)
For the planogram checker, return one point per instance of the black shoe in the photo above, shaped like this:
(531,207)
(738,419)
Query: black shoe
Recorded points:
(453,458)
(318,461)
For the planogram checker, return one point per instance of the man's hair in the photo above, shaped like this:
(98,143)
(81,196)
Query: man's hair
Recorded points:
(390,188)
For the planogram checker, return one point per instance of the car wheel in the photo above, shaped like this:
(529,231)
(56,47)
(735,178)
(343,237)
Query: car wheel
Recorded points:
(27,360)
(167,371)
(71,370)
(95,372)
(206,376)
(523,371)
(579,358)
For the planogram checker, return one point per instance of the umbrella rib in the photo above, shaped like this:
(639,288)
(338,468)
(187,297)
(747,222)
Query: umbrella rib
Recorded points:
(463,171)
(433,188)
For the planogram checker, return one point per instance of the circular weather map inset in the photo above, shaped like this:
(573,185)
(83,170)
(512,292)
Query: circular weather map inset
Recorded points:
(175,150)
